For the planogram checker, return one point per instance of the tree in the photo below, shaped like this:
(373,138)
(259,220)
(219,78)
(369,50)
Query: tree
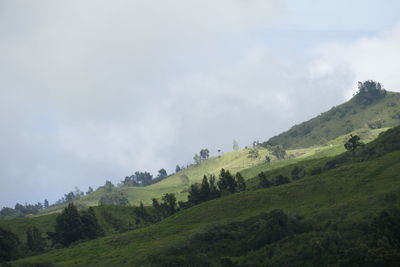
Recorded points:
(263,180)
(235,145)
(91,228)
(9,245)
(143,178)
(204,154)
(241,185)
(298,172)
(267,159)
(169,204)
(141,212)
(352,143)
(162,173)
(157,207)
(177,168)
(205,191)
(226,183)
(197,159)
(90,190)
(46,203)
(34,240)
(253,153)
(280,179)
(9,213)
(108,186)
(194,196)
(278,151)
(69,226)
(214,192)
(369,91)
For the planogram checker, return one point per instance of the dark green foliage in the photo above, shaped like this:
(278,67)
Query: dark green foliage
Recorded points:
(169,204)
(142,214)
(386,228)
(129,181)
(177,169)
(194,196)
(216,245)
(227,183)
(9,245)
(369,91)
(91,228)
(166,208)
(353,143)
(143,178)
(205,190)
(21,210)
(34,240)
(276,239)
(298,172)
(387,141)
(46,203)
(114,198)
(7,212)
(263,180)
(280,179)
(241,185)
(214,192)
(69,227)
(90,190)
(162,174)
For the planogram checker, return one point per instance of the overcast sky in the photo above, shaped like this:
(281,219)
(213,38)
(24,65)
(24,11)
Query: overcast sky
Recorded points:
(96,90)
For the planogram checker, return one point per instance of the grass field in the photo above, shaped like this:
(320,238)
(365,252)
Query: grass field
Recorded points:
(235,161)
(350,193)
(341,120)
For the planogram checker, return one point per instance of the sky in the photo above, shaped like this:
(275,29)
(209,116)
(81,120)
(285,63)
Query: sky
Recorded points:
(94,90)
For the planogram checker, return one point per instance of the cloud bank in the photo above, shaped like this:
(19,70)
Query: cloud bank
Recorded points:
(93,90)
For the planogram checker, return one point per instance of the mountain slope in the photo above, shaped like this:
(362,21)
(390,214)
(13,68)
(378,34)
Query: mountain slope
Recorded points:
(345,196)
(235,161)
(340,120)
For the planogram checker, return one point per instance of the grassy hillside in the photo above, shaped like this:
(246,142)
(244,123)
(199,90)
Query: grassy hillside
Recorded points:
(113,219)
(345,196)
(340,120)
(235,161)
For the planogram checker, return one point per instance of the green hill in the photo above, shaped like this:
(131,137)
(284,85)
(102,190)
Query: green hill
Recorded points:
(235,161)
(113,219)
(338,204)
(340,120)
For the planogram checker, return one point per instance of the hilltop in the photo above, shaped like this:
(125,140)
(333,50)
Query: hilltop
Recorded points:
(359,112)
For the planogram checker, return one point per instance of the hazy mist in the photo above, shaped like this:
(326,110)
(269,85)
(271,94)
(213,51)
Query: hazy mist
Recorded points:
(95,90)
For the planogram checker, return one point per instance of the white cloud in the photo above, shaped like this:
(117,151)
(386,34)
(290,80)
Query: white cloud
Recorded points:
(370,58)
(91,90)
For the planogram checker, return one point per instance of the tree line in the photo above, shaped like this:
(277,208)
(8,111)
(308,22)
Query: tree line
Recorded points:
(70,226)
